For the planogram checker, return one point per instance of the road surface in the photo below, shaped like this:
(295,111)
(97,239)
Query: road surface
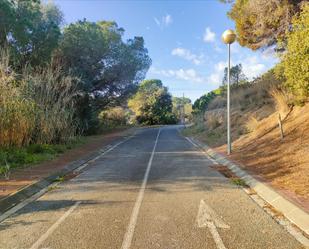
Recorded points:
(155,190)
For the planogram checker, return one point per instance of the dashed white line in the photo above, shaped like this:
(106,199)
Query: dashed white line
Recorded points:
(25,202)
(40,241)
(208,157)
(131,227)
(102,154)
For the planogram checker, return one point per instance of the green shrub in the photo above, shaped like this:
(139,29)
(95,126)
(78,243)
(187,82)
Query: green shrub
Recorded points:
(296,60)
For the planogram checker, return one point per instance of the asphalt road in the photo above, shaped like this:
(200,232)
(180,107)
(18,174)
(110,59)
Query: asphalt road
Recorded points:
(156,190)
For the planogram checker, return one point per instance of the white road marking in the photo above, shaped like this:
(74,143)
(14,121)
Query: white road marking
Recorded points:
(25,202)
(19,206)
(206,214)
(54,227)
(102,154)
(208,157)
(131,227)
(194,144)
(207,217)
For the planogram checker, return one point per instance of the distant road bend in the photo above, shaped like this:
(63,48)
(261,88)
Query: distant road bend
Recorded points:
(155,190)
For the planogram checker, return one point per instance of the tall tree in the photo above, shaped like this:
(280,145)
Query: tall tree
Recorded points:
(108,67)
(152,104)
(30,29)
(181,105)
(237,75)
(263,23)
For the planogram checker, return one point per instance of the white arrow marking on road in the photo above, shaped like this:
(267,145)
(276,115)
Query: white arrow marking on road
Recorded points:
(207,217)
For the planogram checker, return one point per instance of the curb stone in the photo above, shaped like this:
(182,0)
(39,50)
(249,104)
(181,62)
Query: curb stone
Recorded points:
(28,191)
(292,212)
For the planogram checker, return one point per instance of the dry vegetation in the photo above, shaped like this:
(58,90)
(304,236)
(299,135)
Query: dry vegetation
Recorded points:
(35,108)
(257,143)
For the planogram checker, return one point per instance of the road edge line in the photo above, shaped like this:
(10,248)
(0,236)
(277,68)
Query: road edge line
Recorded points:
(267,194)
(50,230)
(34,191)
(126,243)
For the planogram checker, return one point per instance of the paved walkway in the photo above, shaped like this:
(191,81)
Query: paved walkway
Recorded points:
(156,190)
(23,177)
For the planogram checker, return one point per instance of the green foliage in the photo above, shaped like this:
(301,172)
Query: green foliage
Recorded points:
(30,29)
(152,104)
(181,105)
(237,75)
(239,182)
(296,60)
(109,68)
(13,157)
(201,104)
(263,23)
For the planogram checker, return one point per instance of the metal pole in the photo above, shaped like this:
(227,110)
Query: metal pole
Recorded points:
(183,108)
(229,146)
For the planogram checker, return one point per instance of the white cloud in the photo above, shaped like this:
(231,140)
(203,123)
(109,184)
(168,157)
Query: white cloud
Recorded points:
(209,36)
(219,67)
(217,75)
(187,55)
(181,74)
(269,53)
(252,67)
(164,21)
(167,20)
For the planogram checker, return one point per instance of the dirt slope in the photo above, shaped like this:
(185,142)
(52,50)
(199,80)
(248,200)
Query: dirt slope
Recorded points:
(258,147)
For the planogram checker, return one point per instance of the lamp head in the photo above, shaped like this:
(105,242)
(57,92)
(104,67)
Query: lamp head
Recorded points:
(229,36)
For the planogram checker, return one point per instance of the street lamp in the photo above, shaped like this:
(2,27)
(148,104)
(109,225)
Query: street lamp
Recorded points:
(228,37)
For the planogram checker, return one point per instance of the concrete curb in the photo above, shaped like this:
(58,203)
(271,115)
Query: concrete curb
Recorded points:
(292,212)
(28,191)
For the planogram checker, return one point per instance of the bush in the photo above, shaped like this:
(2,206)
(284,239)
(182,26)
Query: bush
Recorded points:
(35,107)
(113,117)
(296,60)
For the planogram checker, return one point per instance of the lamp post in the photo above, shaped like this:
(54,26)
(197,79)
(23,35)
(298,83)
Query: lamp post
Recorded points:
(228,37)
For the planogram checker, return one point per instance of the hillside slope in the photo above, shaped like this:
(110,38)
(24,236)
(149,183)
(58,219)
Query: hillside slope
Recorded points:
(258,147)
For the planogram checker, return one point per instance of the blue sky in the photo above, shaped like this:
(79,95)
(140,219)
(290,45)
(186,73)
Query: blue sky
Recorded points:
(183,39)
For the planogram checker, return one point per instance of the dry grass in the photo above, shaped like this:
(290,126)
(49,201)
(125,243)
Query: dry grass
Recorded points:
(252,124)
(283,163)
(35,107)
(282,100)
(212,121)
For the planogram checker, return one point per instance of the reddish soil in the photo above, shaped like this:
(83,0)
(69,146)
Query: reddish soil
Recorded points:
(284,164)
(20,178)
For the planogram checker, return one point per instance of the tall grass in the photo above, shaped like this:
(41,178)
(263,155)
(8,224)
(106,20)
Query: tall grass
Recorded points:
(35,107)
(282,100)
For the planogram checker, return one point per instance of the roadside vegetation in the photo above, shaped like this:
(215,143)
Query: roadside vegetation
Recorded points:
(257,106)
(59,83)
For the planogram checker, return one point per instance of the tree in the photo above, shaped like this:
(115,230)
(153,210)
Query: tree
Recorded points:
(296,60)
(182,104)
(201,104)
(152,104)
(108,67)
(263,23)
(236,75)
(30,29)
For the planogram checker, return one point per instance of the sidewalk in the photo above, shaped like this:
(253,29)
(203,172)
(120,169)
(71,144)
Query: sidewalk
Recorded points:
(21,178)
(295,213)
(301,202)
